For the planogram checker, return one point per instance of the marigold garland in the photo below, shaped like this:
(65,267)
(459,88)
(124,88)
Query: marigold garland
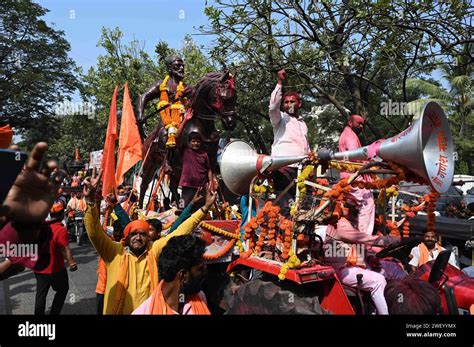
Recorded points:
(431,200)
(391,191)
(292,263)
(171,116)
(267,219)
(303,176)
(107,213)
(234,235)
(346,167)
(222,252)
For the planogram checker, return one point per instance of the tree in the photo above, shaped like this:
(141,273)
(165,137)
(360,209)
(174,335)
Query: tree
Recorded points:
(351,54)
(74,130)
(122,63)
(132,64)
(458,102)
(35,70)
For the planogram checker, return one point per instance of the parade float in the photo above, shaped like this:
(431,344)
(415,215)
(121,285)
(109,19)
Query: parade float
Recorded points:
(286,252)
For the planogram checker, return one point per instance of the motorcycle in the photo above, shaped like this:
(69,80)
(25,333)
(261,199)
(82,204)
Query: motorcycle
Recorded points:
(76,226)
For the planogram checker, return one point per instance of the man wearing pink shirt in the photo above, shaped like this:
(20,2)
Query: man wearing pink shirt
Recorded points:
(365,200)
(289,131)
(346,249)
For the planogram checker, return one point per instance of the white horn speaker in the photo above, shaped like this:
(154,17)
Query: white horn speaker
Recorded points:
(425,147)
(240,163)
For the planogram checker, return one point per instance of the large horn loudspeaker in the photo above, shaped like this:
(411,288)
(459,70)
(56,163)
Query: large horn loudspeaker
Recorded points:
(240,163)
(425,147)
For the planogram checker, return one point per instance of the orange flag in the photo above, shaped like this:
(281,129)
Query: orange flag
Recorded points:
(6,136)
(108,156)
(130,143)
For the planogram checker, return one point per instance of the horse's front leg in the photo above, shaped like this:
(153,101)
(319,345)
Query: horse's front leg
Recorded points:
(212,145)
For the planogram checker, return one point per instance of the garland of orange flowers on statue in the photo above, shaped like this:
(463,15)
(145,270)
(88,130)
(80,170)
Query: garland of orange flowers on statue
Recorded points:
(171,114)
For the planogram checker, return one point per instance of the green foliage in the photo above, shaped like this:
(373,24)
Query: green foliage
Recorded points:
(122,63)
(76,130)
(130,63)
(458,104)
(354,55)
(35,70)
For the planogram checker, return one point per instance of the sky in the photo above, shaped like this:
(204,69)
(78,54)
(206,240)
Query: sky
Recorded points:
(150,21)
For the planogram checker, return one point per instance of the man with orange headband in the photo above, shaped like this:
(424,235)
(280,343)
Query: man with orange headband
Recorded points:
(348,141)
(132,272)
(182,272)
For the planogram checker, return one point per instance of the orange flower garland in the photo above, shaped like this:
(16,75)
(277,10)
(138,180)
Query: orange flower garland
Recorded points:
(233,235)
(266,220)
(393,228)
(106,217)
(406,228)
(431,200)
(222,252)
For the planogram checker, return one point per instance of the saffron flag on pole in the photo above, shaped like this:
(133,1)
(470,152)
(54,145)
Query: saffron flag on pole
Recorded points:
(108,159)
(130,143)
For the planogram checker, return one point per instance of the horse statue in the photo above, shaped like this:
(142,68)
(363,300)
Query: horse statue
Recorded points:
(214,97)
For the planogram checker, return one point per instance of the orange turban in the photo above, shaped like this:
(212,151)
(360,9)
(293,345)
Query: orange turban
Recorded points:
(6,136)
(135,225)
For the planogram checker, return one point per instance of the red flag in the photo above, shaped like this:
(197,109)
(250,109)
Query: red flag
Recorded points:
(130,143)
(108,159)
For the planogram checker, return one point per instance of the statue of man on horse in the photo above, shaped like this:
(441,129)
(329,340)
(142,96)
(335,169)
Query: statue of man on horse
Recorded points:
(174,96)
(214,97)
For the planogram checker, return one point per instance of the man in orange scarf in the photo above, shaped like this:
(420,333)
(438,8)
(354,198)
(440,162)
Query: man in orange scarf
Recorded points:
(182,272)
(132,266)
(427,250)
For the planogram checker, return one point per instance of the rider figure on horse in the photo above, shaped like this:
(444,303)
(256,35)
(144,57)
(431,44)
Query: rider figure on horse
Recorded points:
(174,97)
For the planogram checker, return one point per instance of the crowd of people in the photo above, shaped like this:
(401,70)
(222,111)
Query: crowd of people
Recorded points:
(143,269)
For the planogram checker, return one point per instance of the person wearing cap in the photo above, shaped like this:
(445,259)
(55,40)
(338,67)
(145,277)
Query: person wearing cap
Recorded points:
(290,133)
(132,272)
(50,270)
(349,140)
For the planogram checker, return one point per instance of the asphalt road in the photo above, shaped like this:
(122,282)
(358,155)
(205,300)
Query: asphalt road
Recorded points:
(17,293)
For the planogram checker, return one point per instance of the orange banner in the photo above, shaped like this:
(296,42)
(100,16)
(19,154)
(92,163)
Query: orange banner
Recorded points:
(130,143)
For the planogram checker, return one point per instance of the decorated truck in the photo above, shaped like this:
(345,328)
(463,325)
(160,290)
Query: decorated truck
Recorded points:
(271,262)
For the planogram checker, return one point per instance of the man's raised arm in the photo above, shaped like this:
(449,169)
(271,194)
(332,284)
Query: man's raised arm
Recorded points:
(275,100)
